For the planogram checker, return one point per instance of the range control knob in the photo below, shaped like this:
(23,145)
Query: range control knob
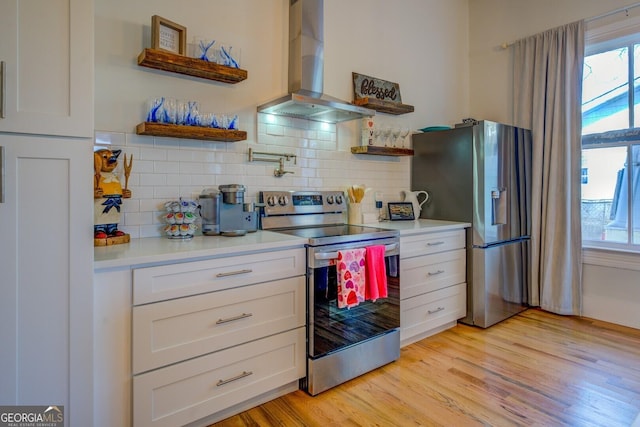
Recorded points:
(339,199)
(283,200)
(330,199)
(271,200)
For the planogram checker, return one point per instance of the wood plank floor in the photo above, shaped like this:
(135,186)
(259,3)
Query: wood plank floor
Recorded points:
(534,369)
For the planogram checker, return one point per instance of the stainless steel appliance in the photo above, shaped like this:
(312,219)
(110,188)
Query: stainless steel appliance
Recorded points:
(224,211)
(210,201)
(306,71)
(481,174)
(341,343)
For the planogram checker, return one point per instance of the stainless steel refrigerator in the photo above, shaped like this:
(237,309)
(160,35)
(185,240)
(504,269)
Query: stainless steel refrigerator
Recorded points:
(481,174)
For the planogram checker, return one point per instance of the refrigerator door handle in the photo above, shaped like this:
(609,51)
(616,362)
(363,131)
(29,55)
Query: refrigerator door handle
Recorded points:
(499,206)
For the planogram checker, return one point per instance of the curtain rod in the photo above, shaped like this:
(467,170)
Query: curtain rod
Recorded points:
(594,18)
(613,12)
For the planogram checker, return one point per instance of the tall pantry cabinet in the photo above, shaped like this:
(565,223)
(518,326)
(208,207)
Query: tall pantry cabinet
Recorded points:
(46,243)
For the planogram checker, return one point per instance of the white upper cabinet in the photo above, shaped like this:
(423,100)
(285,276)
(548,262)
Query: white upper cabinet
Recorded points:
(47,67)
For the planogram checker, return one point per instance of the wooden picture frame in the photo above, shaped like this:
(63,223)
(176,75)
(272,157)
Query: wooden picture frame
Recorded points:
(402,211)
(167,35)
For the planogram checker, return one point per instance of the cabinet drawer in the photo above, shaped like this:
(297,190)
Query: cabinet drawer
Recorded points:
(430,243)
(170,331)
(188,391)
(178,280)
(425,312)
(431,272)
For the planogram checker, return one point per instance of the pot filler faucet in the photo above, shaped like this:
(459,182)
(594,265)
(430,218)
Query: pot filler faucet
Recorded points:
(279,172)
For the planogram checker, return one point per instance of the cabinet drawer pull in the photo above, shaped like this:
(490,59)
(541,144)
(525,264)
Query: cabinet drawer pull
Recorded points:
(435,243)
(435,311)
(435,273)
(234,273)
(231,319)
(237,377)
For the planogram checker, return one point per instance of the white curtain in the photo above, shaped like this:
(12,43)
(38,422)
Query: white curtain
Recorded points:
(547,100)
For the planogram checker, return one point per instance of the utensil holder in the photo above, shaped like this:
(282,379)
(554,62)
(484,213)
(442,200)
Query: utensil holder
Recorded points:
(355,213)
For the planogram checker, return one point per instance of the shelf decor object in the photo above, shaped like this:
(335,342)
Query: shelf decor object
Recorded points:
(381,151)
(380,95)
(167,35)
(174,63)
(190,132)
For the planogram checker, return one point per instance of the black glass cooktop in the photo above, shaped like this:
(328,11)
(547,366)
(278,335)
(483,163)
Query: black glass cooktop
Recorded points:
(331,234)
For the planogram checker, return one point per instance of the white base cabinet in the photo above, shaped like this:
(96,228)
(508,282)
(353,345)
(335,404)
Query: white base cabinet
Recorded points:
(194,342)
(433,289)
(194,389)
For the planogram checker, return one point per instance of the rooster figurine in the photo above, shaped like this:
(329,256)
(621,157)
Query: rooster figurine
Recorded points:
(108,194)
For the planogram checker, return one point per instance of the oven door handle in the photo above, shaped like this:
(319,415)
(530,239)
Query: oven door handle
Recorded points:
(334,255)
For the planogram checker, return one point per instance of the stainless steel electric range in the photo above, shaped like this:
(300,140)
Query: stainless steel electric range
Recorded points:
(342,343)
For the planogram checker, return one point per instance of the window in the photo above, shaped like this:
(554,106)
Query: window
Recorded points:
(610,173)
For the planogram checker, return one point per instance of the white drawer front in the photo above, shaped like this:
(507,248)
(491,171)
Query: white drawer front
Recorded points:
(170,331)
(189,278)
(430,243)
(429,273)
(188,391)
(428,311)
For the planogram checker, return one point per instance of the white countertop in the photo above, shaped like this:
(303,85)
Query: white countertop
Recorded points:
(408,228)
(161,249)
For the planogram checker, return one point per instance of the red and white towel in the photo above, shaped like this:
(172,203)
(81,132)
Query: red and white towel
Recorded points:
(361,275)
(351,277)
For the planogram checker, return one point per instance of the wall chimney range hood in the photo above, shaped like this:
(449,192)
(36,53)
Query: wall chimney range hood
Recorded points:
(306,99)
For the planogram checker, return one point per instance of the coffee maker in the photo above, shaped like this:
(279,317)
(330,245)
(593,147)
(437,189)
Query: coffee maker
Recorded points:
(225,212)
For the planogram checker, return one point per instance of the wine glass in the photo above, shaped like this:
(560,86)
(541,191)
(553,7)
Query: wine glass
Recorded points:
(395,133)
(404,132)
(386,133)
(377,133)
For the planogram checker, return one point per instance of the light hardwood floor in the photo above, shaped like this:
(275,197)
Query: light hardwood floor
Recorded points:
(535,368)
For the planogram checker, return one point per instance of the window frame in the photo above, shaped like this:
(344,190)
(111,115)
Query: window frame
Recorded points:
(607,37)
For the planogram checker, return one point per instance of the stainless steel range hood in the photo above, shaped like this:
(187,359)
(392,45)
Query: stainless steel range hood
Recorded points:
(306,99)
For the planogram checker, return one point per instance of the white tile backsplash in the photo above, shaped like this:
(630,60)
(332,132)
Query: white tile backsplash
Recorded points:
(167,168)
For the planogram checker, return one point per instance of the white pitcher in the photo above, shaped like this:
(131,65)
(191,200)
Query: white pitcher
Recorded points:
(412,197)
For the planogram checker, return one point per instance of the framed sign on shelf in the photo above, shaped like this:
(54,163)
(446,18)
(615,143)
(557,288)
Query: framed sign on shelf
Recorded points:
(167,35)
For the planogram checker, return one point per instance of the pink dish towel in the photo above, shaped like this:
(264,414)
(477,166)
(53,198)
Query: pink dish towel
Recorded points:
(376,273)
(351,277)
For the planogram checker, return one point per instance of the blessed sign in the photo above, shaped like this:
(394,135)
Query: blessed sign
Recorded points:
(371,87)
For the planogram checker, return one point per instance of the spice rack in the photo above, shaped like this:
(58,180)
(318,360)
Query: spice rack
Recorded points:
(180,64)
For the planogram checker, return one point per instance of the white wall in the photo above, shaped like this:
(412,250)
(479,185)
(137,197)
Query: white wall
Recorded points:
(422,49)
(611,288)
(495,22)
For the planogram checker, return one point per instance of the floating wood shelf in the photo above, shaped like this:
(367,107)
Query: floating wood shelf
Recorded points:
(190,132)
(167,61)
(384,106)
(381,151)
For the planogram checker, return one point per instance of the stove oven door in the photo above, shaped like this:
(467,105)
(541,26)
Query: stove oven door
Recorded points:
(332,328)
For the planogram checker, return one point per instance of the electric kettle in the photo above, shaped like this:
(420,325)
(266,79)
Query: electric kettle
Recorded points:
(412,197)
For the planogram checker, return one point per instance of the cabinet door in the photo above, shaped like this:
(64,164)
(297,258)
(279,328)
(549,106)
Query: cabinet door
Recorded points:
(46,255)
(47,72)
